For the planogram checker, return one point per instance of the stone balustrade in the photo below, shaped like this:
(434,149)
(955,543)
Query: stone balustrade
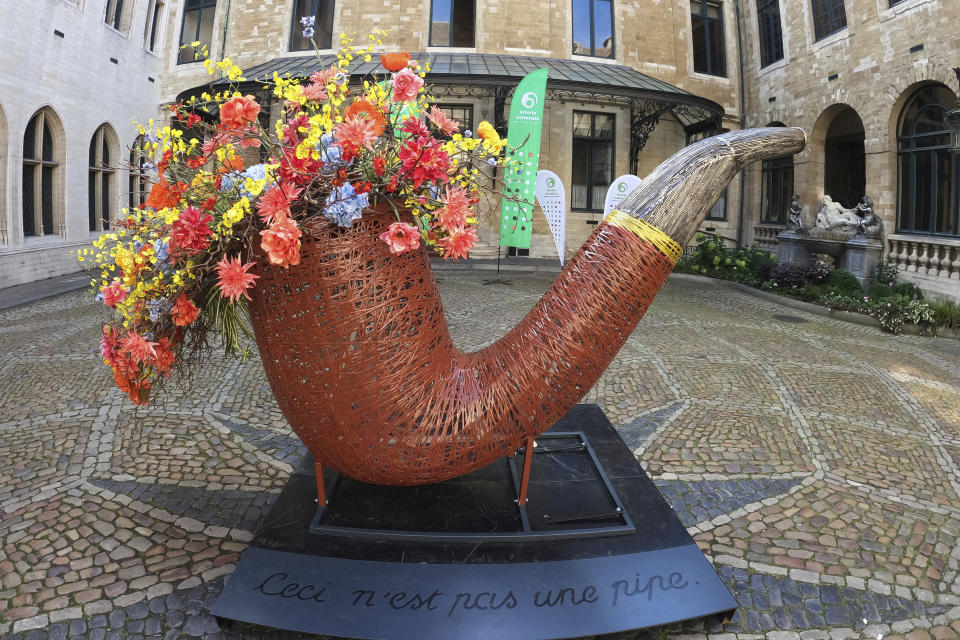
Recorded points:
(925,255)
(765,235)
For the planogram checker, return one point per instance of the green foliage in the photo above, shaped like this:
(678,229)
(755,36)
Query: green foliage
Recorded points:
(229,320)
(843,283)
(713,258)
(946,314)
(892,312)
(887,273)
(878,290)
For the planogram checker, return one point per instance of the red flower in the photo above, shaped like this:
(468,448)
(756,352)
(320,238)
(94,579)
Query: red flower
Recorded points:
(443,123)
(401,237)
(184,312)
(291,135)
(114,293)
(416,127)
(379,165)
(406,85)
(138,348)
(233,278)
(422,159)
(237,112)
(275,203)
(109,345)
(456,208)
(191,231)
(165,356)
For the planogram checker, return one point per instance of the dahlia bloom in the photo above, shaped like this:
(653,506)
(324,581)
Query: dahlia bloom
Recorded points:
(459,242)
(401,237)
(422,159)
(138,348)
(233,278)
(184,312)
(357,131)
(367,111)
(456,208)
(275,203)
(191,231)
(114,293)
(281,241)
(406,85)
(442,122)
(237,112)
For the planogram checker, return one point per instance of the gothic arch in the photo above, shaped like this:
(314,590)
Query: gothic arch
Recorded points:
(102,191)
(42,210)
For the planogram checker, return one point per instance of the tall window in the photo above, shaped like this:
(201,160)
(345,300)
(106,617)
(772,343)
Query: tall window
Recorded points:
(100,181)
(829,16)
(592,160)
(777,177)
(452,23)
(709,51)
(593,28)
(151,29)
(322,13)
(771,34)
(197,26)
(929,184)
(114,14)
(138,183)
(40,173)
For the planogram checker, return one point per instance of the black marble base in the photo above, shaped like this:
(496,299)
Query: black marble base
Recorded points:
(512,588)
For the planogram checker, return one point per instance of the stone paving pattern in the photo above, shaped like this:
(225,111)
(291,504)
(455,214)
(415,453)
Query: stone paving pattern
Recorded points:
(815,463)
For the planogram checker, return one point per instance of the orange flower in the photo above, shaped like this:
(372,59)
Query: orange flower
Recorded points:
(459,243)
(282,242)
(394,61)
(184,312)
(365,110)
(138,348)
(163,196)
(237,112)
(233,163)
(234,279)
(358,131)
(275,203)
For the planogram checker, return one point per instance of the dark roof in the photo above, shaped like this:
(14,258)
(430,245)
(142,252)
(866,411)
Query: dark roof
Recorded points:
(491,69)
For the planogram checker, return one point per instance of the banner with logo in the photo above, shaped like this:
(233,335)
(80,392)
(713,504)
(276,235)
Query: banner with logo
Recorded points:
(553,202)
(619,190)
(519,176)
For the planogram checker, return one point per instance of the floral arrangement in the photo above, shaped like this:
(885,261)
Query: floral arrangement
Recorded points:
(181,266)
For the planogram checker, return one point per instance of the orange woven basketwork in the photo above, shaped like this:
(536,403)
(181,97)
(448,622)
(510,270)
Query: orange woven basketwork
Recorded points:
(356,348)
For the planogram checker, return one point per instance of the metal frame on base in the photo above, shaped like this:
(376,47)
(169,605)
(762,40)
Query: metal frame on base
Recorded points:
(521,480)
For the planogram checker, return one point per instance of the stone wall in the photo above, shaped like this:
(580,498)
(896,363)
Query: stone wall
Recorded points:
(872,66)
(84,73)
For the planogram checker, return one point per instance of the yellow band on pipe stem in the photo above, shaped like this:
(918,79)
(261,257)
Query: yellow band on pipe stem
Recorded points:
(667,245)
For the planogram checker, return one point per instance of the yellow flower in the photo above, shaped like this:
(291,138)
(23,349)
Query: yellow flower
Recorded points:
(491,139)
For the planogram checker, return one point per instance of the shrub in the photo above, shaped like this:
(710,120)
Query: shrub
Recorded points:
(887,273)
(843,283)
(946,314)
(879,290)
(908,290)
(892,312)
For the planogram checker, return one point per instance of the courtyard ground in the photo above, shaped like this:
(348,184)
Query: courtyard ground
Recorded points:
(816,463)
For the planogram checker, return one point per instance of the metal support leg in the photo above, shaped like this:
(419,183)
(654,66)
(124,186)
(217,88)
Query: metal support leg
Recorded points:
(321,487)
(525,477)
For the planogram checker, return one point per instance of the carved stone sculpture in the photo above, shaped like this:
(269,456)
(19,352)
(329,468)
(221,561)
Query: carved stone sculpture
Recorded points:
(870,224)
(834,217)
(795,222)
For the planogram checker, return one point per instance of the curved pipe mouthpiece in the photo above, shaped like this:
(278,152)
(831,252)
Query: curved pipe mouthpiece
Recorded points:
(678,194)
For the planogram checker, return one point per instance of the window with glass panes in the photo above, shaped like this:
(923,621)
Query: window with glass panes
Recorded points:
(114,14)
(40,171)
(709,51)
(99,181)
(322,13)
(829,16)
(771,33)
(452,23)
(138,182)
(462,113)
(929,175)
(151,29)
(197,27)
(777,179)
(593,154)
(593,28)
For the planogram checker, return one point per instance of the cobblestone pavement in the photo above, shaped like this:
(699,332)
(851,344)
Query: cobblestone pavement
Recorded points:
(815,463)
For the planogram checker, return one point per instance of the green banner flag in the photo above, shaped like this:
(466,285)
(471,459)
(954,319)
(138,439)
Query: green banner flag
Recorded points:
(520,175)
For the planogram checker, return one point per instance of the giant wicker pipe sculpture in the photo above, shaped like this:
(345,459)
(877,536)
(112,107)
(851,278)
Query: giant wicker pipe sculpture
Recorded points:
(356,347)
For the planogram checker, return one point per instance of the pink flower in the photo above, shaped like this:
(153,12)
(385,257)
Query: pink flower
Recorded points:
(324,76)
(358,131)
(282,242)
(234,279)
(138,348)
(108,345)
(459,243)
(440,119)
(114,293)
(314,91)
(406,86)
(416,127)
(275,203)
(191,231)
(401,237)
(456,208)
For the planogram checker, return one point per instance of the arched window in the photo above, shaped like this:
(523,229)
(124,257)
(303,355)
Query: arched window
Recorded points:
(100,180)
(138,184)
(41,199)
(928,189)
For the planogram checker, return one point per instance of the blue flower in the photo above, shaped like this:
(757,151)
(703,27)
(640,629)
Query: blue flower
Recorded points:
(256,172)
(492,162)
(156,308)
(344,205)
(307,21)
(226,182)
(330,153)
(467,133)
(161,251)
(308,32)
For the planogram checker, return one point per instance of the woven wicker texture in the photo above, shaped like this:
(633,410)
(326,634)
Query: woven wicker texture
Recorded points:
(356,347)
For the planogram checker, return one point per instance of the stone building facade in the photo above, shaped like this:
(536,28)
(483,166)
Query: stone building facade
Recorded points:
(73,75)
(870,86)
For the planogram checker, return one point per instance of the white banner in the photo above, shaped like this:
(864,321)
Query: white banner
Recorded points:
(553,202)
(619,190)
